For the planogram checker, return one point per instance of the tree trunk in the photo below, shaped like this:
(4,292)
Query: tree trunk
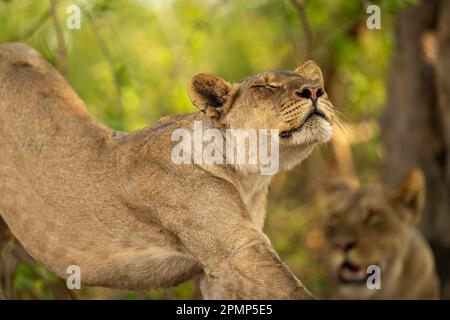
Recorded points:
(416,121)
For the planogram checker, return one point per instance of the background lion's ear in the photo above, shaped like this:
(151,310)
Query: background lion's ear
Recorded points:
(311,70)
(208,93)
(411,195)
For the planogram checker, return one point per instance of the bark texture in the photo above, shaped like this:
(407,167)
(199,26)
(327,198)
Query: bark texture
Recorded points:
(416,121)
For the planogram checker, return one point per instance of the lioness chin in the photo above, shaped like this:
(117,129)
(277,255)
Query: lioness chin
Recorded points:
(75,192)
(373,226)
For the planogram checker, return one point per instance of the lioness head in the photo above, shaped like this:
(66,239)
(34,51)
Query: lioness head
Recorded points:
(293,102)
(371,226)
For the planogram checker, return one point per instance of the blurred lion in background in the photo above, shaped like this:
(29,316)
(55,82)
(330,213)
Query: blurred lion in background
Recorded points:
(375,226)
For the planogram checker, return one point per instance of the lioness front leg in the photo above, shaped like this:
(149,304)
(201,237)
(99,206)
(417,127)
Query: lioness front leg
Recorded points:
(252,271)
(238,260)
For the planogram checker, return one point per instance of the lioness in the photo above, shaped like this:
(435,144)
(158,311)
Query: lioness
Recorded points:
(75,192)
(372,226)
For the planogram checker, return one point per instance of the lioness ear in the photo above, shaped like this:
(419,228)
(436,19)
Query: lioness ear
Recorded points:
(311,70)
(411,195)
(208,93)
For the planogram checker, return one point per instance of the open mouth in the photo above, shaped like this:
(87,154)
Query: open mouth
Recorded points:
(288,133)
(352,274)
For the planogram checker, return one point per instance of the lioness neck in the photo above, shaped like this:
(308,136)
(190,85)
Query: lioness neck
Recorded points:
(418,278)
(254,194)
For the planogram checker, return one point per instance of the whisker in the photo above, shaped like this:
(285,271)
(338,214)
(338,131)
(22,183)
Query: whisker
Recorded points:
(342,115)
(343,127)
(336,119)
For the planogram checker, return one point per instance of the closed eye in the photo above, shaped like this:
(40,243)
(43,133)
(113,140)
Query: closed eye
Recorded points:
(374,217)
(269,86)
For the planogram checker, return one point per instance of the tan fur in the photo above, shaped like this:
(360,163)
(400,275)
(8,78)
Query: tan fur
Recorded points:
(373,226)
(75,192)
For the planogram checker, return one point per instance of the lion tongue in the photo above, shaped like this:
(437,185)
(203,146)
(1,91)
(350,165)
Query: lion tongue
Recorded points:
(352,273)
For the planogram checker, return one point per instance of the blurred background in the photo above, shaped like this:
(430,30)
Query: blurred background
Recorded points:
(130,62)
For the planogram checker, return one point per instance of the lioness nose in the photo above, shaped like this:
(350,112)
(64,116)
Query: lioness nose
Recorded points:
(309,93)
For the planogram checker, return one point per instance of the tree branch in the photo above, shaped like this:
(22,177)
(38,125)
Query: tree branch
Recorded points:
(34,27)
(109,57)
(300,7)
(62,54)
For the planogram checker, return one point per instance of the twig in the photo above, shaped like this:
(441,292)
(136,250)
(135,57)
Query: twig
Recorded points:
(300,7)
(60,40)
(106,52)
(35,26)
